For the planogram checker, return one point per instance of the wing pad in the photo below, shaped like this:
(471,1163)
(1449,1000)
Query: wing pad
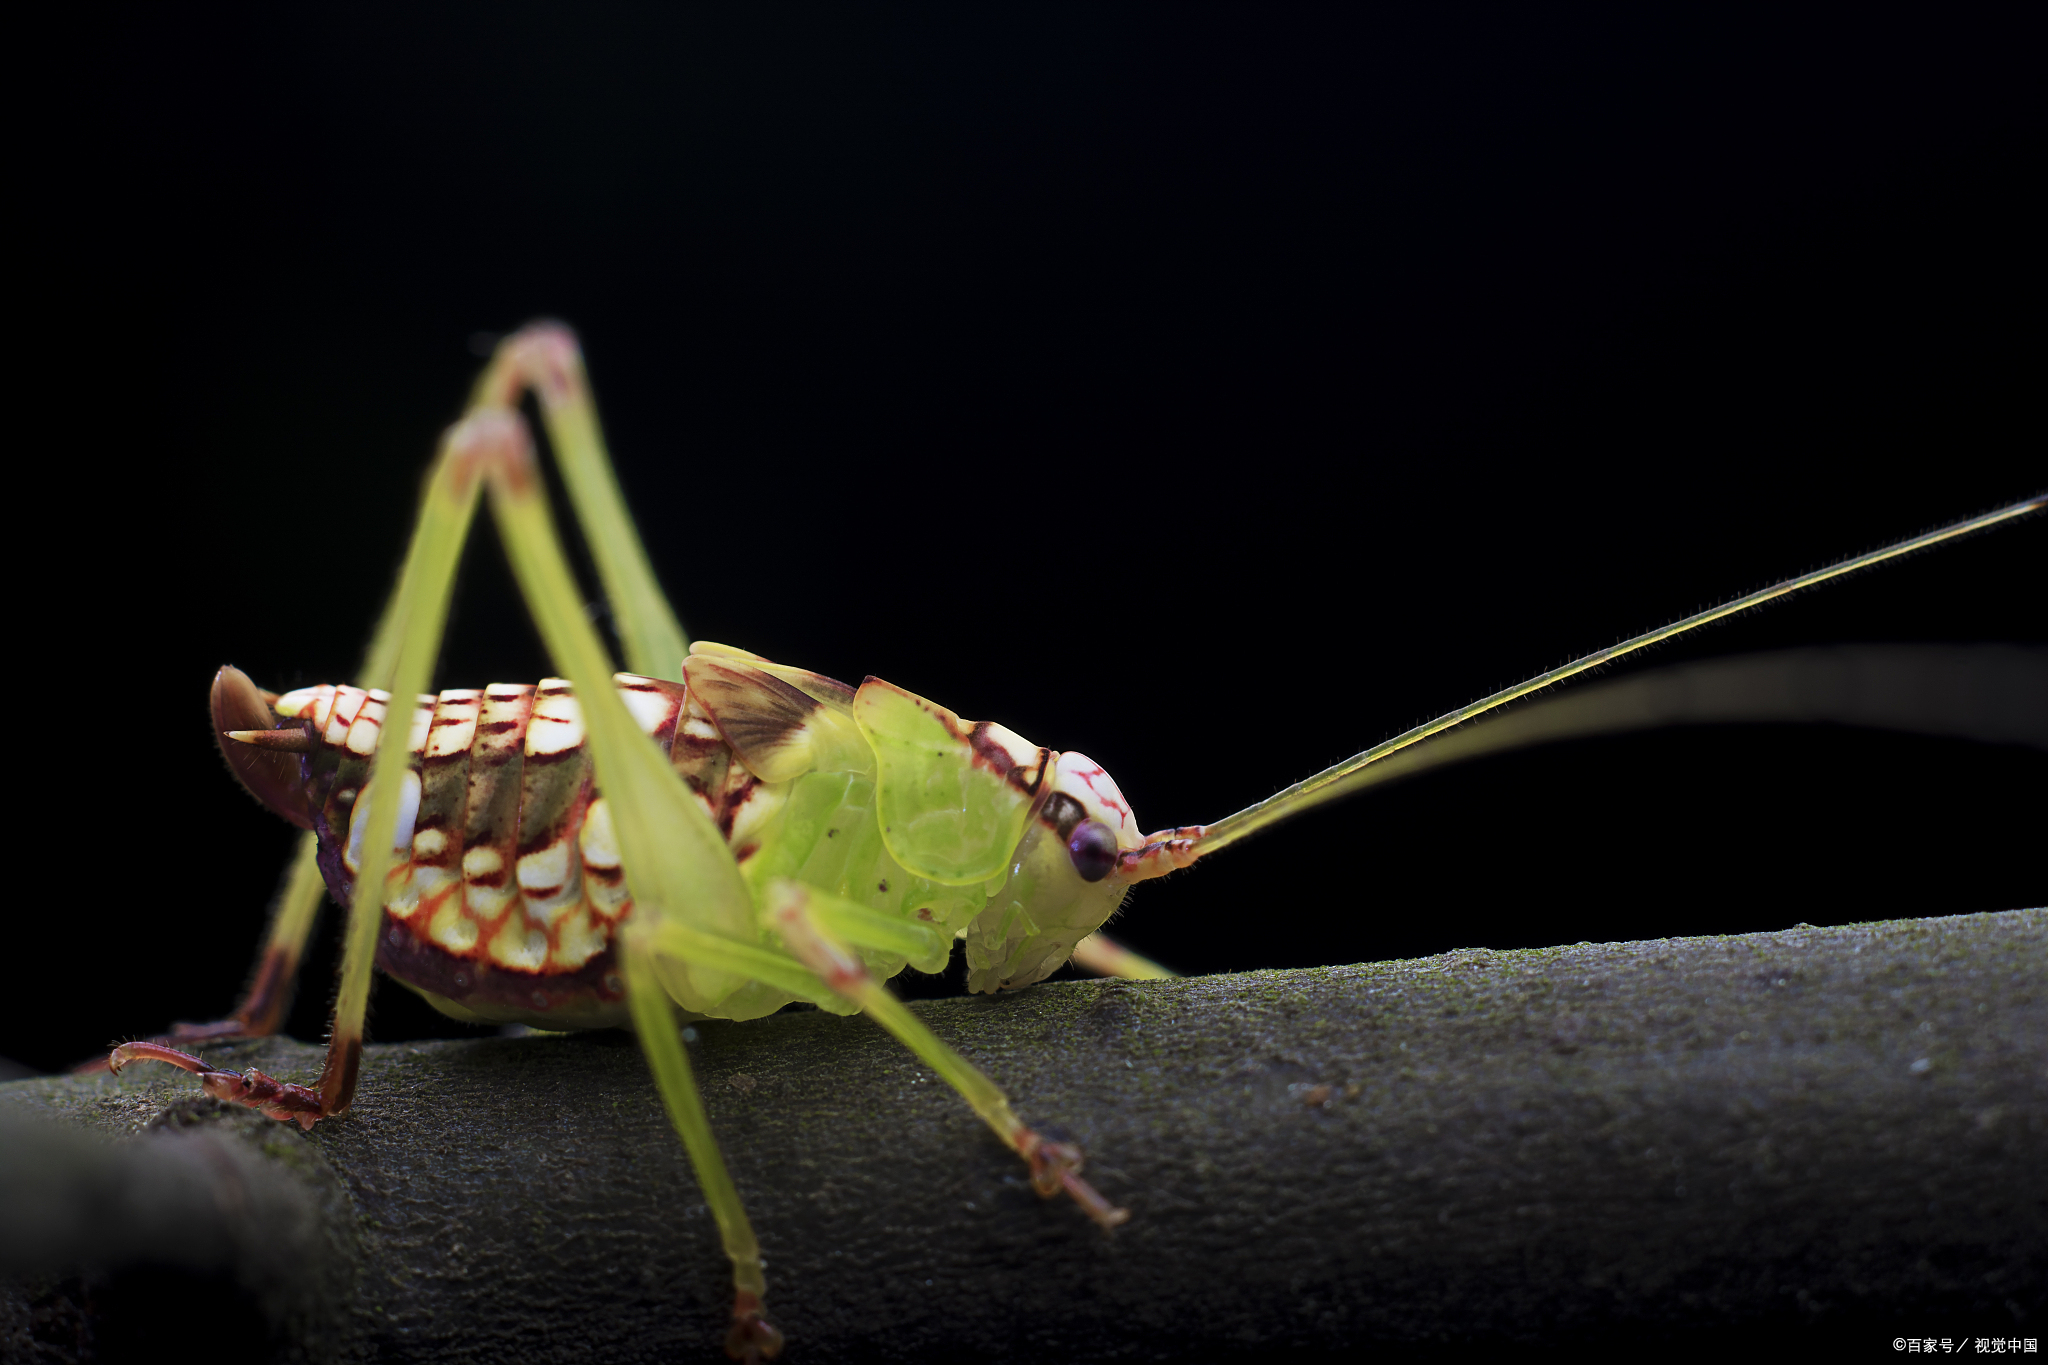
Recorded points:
(776,726)
(954,796)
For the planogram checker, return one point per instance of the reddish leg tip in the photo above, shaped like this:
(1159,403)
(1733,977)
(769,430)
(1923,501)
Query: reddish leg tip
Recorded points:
(752,1337)
(1056,1166)
(153,1052)
(253,1089)
(1107,1215)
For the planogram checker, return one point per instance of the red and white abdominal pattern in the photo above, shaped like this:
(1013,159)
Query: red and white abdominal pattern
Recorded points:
(509,883)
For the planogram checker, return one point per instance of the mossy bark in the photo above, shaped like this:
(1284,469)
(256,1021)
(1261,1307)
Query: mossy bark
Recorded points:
(1823,1127)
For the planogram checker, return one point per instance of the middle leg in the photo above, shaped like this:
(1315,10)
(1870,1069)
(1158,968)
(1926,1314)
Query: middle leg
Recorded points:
(807,919)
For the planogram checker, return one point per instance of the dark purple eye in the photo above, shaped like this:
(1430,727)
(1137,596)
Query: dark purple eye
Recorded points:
(1093,849)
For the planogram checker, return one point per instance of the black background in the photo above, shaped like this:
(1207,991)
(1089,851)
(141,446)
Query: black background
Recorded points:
(1214,390)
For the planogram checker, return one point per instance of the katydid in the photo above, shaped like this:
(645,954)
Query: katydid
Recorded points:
(712,831)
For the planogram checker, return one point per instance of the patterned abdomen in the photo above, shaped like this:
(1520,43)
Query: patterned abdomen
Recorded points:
(509,886)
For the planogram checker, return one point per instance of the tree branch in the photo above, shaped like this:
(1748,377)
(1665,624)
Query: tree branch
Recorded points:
(1833,1126)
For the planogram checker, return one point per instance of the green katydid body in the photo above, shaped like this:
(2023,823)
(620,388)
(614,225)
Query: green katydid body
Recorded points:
(507,883)
(783,836)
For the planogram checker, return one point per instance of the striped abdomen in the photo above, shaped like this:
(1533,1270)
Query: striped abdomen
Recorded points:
(509,886)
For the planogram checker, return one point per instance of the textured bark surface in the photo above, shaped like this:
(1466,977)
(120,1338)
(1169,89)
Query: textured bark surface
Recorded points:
(1842,1127)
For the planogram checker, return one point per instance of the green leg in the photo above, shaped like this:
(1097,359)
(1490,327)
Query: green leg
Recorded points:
(492,444)
(807,919)
(1104,956)
(686,887)
(682,876)
(545,358)
(674,856)
(411,635)
(677,864)
(751,1337)
(292,922)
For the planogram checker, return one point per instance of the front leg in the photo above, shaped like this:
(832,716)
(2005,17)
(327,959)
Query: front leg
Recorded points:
(812,923)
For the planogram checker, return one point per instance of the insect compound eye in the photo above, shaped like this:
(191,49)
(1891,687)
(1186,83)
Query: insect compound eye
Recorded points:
(1093,849)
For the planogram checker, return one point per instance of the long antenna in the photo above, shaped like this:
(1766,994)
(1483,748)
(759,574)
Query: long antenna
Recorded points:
(1335,782)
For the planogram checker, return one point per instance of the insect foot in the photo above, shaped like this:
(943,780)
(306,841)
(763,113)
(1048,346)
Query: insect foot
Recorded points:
(274,1098)
(752,1338)
(1056,1166)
